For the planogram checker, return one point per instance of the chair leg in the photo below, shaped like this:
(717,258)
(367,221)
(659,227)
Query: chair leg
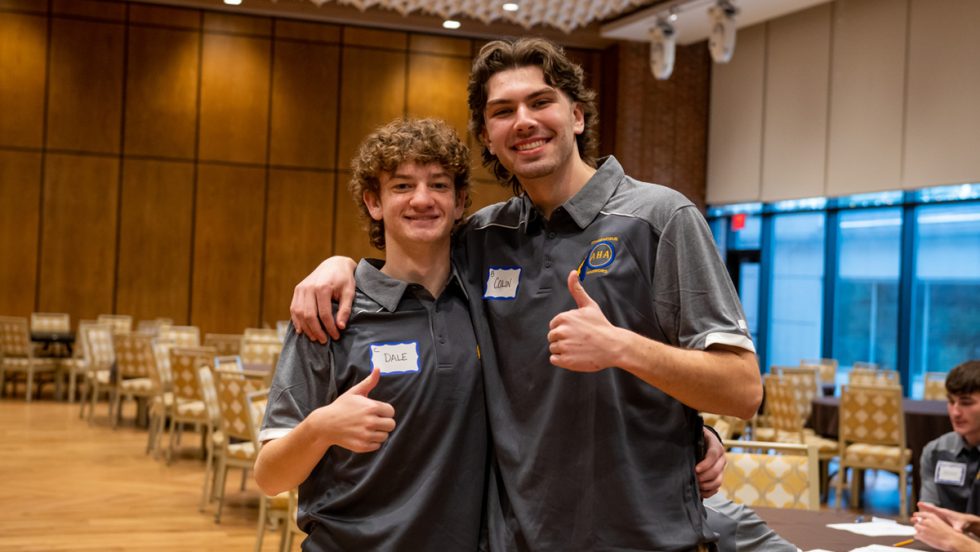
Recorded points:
(260,532)
(174,428)
(839,485)
(71,386)
(117,408)
(30,383)
(220,479)
(903,507)
(208,469)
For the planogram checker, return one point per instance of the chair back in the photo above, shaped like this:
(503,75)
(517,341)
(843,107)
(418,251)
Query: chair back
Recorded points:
(233,388)
(260,333)
(282,328)
(209,395)
(863,365)
(50,322)
(935,386)
(15,339)
(134,356)
(101,354)
(260,349)
(783,411)
(868,376)
(788,479)
(120,323)
(805,383)
(182,336)
(827,368)
(871,414)
(184,362)
(161,353)
(257,401)
(228,362)
(225,344)
(80,351)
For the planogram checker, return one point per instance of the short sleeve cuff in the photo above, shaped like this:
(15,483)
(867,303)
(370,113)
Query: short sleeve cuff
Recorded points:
(273,433)
(730,339)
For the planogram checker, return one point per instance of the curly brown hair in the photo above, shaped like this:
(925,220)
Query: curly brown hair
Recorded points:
(559,72)
(421,141)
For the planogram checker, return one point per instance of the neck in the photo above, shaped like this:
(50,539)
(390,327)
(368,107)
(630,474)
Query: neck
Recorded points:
(426,264)
(551,191)
(971,440)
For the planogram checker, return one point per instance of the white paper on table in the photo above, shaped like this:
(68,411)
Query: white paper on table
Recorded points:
(879,548)
(876,528)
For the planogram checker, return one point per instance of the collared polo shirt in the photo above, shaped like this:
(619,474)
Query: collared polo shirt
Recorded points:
(600,461)
(424,488)
(952,486)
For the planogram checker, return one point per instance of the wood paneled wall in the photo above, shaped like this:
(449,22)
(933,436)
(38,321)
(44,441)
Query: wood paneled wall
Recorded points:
(169,162)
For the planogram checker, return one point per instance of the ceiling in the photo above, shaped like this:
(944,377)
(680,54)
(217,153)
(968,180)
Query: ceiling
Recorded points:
(585,23)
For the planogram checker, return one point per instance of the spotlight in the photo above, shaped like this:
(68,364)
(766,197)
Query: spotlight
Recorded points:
(662,50)
(721,43)
(451,24)
(511,7)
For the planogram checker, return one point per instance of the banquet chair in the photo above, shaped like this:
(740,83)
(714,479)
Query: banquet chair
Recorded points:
(935,386)
(260,349)
(182,336)
(51,322)
(135,372)
(75,366)
(98,374)
(240,445)
(862,365)
(827,368)
(18,358)
(867,376)
(189,405)
(215,438)
(260,334)
(787,479)
(161,407)
(120,323)
(872,436)
(224,344)
(282,328)
(273,510)
(782,404)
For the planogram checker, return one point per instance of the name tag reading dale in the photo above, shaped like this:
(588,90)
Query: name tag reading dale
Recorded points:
(950,473)
(395,358)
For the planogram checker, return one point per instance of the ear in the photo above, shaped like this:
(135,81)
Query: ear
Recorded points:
(485,139)
(579,116)
(460,205)
(373,204)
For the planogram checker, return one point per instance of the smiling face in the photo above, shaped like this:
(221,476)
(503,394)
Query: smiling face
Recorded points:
(418,203)
(530,126)
(964,414)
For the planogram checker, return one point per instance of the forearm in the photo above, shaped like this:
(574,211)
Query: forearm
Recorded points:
(284,463)
(720,380)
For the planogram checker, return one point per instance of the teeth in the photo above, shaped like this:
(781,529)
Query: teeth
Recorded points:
(530,145)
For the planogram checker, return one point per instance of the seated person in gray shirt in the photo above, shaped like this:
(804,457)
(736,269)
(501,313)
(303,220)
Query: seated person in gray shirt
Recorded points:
(409,356)
(949,464)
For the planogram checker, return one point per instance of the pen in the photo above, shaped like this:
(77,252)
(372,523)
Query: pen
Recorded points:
(904,542)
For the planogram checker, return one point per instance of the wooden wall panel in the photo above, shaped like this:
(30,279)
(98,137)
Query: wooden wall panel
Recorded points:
(85,88)
(155,239)
(437,88)
(23,58)
(349,229)
(78,237)
(164,15)
(227,248)
(304,104)
(234,99)
(109,10)
(161,92)
(20,192)
(299,234)
(372,93)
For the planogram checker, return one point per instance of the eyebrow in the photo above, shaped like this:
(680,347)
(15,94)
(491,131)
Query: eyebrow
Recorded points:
(537,93)
(403,176)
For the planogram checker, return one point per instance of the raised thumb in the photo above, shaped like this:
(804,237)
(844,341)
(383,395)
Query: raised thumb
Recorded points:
(578,292)
(365,386)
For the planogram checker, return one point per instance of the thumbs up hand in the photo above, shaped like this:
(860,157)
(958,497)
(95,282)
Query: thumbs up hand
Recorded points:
(581,339)
(356,422)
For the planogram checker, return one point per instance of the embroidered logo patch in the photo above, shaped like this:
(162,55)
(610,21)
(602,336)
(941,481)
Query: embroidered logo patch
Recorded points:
(502,282)
(601,254)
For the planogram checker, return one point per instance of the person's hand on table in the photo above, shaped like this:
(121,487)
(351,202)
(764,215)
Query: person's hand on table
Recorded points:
(312,299)
(934,531)
(711,469)
(957,520)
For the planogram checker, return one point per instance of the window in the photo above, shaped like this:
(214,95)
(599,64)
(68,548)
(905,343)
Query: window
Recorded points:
(865,326)
(945,288)
(796,299)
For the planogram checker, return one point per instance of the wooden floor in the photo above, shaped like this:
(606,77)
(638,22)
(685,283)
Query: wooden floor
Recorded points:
(68,485)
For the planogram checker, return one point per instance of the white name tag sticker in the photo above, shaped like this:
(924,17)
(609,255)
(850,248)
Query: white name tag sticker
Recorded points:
(950,473)
(395,358)
(502,282)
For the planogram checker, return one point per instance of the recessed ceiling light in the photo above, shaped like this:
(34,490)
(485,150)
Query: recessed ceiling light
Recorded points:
(511,6)
(450,24)
(233,2)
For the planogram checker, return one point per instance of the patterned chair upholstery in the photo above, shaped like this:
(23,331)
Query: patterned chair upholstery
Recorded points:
(260,349)
(827,367)
(136,371)
(935,386)
(238,426)
(189,406)
(783,480)
(120,323)
(55,322)
(17,360)
(225,344)
(872,436)
(101,356)
(162,405)
(182,336)
(871,376)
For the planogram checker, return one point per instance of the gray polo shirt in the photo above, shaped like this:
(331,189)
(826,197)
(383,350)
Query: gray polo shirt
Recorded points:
(597,461)
(424,489)
(951,486)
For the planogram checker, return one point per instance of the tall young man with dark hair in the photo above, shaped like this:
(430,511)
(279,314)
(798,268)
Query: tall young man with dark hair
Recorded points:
(613,322)
(950,464)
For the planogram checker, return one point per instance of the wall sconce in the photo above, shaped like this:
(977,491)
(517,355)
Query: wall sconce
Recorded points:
(662,49)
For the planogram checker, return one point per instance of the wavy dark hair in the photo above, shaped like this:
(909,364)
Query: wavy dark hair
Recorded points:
(964,379)
(422,141)
(559,72)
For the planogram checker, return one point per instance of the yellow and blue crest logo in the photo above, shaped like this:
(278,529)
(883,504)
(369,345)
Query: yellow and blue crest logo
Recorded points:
(601,254)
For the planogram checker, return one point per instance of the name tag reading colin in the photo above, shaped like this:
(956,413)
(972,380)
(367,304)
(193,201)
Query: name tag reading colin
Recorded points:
(395,358)
(950,473)
(502,282)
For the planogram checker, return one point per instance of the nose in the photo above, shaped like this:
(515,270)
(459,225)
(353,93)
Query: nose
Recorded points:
(523,120)
(422,196)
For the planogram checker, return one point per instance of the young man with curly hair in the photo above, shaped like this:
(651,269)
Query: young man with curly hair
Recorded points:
(409,354)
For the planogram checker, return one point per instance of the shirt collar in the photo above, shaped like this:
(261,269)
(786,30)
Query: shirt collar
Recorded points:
(387,291)
(584,206)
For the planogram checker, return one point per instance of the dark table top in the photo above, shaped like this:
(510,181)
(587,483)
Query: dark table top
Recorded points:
(808,530)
